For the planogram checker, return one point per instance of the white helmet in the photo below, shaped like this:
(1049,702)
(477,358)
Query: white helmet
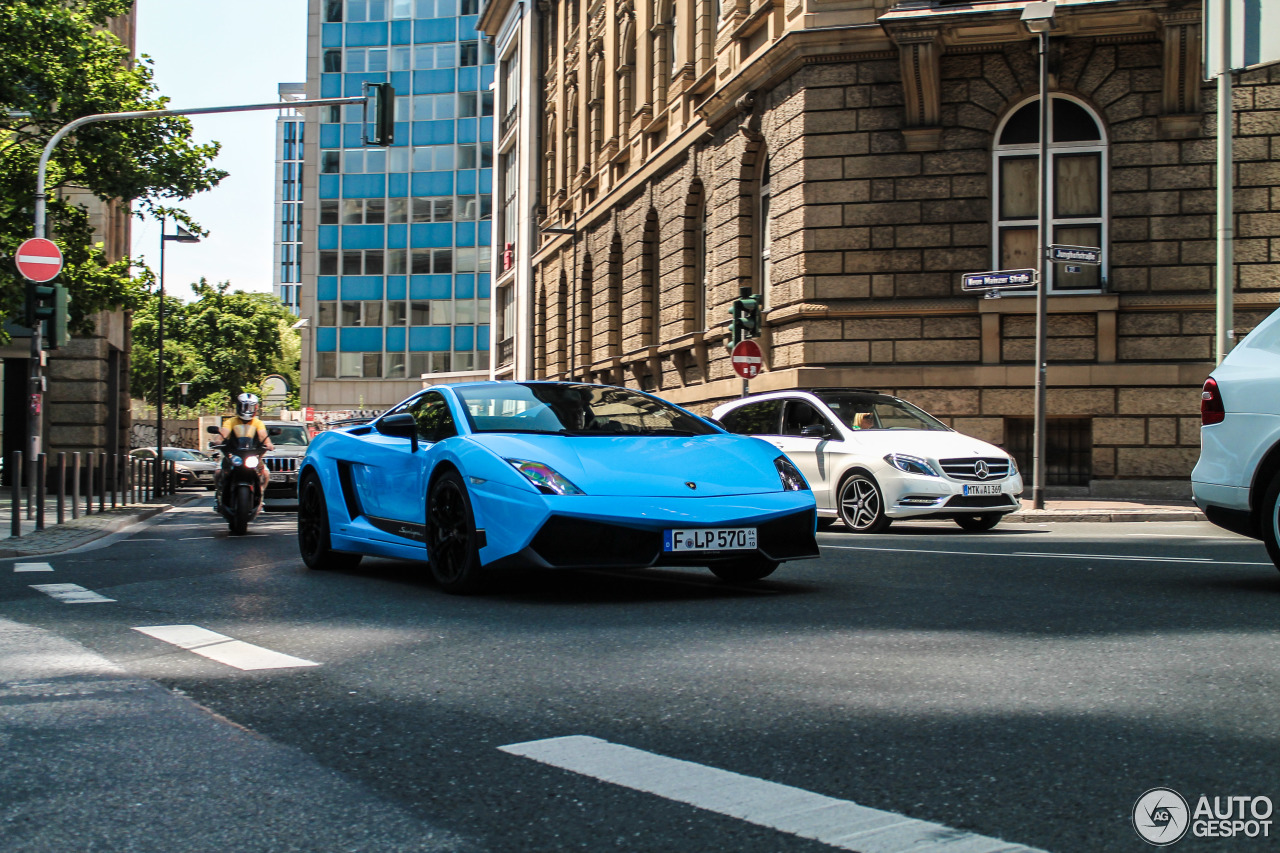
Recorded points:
(246,406)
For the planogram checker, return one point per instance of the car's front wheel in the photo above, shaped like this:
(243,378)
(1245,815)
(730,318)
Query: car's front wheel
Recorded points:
(746,569)
(452,544)
(1271,520)
(978,522)
(313,530)
(861,504)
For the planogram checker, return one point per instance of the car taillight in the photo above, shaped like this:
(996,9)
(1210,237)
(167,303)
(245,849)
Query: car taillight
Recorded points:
(1211,409)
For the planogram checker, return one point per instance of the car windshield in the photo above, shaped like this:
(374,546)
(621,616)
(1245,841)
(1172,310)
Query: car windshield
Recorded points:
(290,436)
(565,409)
(181,455)
(867,410)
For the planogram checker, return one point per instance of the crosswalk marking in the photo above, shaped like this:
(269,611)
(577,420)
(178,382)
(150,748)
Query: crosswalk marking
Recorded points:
(837,823)
(221,648)
(32,567)
(70,593)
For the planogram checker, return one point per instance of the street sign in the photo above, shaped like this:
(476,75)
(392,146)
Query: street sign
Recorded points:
(1255,35)
(999,280)
(747,359)
(1075,254)
(39,259)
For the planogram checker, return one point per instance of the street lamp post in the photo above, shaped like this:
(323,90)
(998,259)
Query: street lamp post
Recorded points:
(1038,19)
(182,236)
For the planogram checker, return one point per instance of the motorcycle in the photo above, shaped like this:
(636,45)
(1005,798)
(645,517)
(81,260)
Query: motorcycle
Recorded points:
(239,493)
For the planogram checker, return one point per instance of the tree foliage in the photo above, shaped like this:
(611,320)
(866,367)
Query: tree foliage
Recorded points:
(58,63)
(224,342)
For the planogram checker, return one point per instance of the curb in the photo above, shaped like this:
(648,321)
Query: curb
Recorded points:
(72,535)
(1045,515)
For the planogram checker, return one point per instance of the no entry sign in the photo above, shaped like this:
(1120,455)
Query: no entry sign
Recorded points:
(39,259)
(747,359)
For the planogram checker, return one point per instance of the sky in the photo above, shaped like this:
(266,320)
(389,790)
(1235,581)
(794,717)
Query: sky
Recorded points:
(222,54)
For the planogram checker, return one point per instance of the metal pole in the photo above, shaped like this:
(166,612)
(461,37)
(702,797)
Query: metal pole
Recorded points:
(62,486)
(15,498)
(102,485)
(75,485)
(160,354)
(42,471)
(1042,310)
(1225,327)
(88,497)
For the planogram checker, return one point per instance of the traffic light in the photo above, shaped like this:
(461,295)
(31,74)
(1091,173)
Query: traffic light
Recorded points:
(48,303)
(379,113)
(746,316)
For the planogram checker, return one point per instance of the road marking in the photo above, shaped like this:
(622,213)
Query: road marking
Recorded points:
(223,649)
(194,538)
(838,823)
(32,567)
(70,593)
(1119,557)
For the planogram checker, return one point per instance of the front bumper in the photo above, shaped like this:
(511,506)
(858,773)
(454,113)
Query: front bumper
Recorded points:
(938,497)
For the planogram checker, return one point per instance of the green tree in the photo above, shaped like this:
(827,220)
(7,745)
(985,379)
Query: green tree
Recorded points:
(224,342)
(58,63)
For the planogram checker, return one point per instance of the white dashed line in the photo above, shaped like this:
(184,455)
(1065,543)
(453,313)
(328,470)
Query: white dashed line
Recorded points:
(838,823)
(69,593)
(223,649)
(32,567)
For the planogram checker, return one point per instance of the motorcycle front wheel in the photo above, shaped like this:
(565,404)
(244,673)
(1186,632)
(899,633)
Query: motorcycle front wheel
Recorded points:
(241,509)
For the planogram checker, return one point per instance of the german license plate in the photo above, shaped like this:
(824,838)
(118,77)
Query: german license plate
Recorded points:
(983,489)
(702,539)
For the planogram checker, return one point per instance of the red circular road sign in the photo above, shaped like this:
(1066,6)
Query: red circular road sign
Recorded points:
(39,259)
(747,359)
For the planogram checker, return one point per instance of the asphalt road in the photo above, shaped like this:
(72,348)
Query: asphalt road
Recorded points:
(1029,684)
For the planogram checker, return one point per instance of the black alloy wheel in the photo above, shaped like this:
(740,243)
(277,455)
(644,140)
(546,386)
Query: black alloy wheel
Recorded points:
(313,531)
(861,504)
(452,544)
(753,568)
(978,522)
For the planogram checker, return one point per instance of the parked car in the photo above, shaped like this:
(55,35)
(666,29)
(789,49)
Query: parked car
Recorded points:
(872,458)
(487,475)
(193,468)
(1236,481)
(290,448)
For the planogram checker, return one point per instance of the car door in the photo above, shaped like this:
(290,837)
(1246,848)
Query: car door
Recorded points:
(806,436)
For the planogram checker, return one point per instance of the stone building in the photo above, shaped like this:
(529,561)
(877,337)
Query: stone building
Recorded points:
(851,160)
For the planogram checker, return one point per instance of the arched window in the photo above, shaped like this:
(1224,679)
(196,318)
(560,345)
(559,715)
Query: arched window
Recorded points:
(613,299)
(1077,190)
(560,361)
(695,244)
(584,321)
(653,279)
(763,229)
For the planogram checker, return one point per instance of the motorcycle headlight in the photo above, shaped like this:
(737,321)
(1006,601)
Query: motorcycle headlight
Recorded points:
(910,464)
(236,460)
(545,479)
(251,462)
(792,479)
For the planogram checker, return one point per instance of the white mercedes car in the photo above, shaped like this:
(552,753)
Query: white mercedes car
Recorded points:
(1236,482)
(871,458)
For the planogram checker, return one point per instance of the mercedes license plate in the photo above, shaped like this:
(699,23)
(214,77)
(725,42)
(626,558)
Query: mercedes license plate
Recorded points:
(983,489)
(702,539)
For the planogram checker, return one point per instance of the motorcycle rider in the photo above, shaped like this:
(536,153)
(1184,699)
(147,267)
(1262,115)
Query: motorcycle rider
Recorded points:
(246,424)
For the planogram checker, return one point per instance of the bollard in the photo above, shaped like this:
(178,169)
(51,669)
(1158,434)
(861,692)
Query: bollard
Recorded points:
(131,482)
(62,486)
(15,482)
(75,485)
(88,483)
(42,471)
(115,478)
(102,491)
(28,479)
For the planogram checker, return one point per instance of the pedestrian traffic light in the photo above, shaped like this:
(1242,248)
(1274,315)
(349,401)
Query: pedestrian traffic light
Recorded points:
(746,316)
(379,113)
(47,303)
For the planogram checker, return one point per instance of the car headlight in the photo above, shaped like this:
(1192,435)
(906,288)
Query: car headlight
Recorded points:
(792,480)
(910,464)
(1013,466)
(181,469)
(544,478)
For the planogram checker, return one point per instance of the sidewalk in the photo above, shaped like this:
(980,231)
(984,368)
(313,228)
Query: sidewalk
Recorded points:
(73,533)
(1090,509)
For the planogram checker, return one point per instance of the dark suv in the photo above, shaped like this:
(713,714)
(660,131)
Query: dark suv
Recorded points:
(291,446)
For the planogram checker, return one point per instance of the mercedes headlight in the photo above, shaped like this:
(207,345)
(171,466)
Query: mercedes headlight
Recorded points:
(910,464)
(792,480)
(544,478)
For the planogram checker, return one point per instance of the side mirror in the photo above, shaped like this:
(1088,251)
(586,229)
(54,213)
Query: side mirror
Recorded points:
(813,431)
(716,422)
(401,425)
(212,430)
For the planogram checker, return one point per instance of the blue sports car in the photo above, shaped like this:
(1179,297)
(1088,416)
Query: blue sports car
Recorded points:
(483,476)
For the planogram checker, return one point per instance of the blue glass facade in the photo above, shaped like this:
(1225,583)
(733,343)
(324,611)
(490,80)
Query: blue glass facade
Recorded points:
(403,236)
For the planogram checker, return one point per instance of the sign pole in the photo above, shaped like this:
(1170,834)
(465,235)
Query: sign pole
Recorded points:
(1225,332)
(1042,263)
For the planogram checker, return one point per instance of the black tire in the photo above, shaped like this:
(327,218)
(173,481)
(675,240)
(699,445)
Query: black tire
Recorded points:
(313,531)
(825,521)
(452,544)
(861,503)
(979,522)
(1269,520)
(241,509)
(747,569)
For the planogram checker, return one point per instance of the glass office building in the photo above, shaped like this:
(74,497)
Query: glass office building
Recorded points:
(290,137)
(401,253)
